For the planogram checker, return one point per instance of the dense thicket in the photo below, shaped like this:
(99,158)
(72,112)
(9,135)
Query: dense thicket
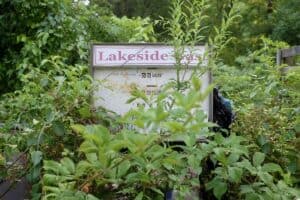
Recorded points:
(277,19)
(34,30)
(74,151)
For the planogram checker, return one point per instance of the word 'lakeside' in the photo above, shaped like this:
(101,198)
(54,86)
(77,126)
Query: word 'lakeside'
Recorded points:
(147,56)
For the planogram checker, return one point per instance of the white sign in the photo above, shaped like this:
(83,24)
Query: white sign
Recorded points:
(142,55)
(149,67)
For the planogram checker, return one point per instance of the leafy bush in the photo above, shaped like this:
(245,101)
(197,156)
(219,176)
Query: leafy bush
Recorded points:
(125,163)
(287,22)
(266,103)
(138,163)
(34,30)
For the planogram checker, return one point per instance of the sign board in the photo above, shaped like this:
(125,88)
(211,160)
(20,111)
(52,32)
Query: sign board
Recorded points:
(149,66)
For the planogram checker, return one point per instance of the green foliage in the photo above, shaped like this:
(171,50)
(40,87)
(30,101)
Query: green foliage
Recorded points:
(43,65)
(58,181)
(125,164)
(266,104)
(142,8)
(34,30)
(37,116)
(108,172)
(287,25)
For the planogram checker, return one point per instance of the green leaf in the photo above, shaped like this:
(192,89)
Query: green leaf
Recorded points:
(36,157)
(219,187)
(63,170)
(220,155)
(78,128)
(123,168)
(69,164)
(219,139)
(50,179)
(158,191)
(297,128)
(196,83)
(258,158)
(139,196)
(35,173)
(51,189)
(271,167)
(91,197)
(2,160)
(174,126)
(58,128)
(246,189)
(267,148)
(138,177)
(233,158)
(252,196)
(261,140)
(50,165)
(266,177)
(88,147)
(85,112)
(44,82)
(235,174)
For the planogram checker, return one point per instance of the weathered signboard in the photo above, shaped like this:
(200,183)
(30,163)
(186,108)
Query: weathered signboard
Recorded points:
(148,66)
(288,56)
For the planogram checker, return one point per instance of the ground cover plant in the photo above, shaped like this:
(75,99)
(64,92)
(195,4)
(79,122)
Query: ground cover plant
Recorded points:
(74,151)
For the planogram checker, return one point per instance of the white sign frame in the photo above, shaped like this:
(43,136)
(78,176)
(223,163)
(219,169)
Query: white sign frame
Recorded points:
(113,59)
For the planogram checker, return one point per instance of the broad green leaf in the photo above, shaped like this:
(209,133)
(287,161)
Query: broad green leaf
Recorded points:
(138,177)
(220,155)
(50,165)
(196,83)
(91,197)
(51,179)
(63,170)
(88,147)
(266,177)
(297,128)
(58,128)
(261,140)
(235,174)
(219,139)
(220,189)
(69,164)
(78,128)
(266,148)
(174,126)
(2,160)
(83,167)
(139,196)
(123,168)
(34,174)
(271,167)
(158,191)
(246,189)
(252,196)
(233,158)
(258,158)
(51,189)
(36,157)
(85,112)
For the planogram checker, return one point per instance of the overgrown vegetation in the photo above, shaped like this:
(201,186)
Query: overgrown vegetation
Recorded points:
(74,151)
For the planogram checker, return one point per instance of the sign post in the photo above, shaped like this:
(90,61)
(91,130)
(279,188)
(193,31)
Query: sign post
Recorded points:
(149,66)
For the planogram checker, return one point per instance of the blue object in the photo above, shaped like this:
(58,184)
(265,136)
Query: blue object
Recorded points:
(169,195)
